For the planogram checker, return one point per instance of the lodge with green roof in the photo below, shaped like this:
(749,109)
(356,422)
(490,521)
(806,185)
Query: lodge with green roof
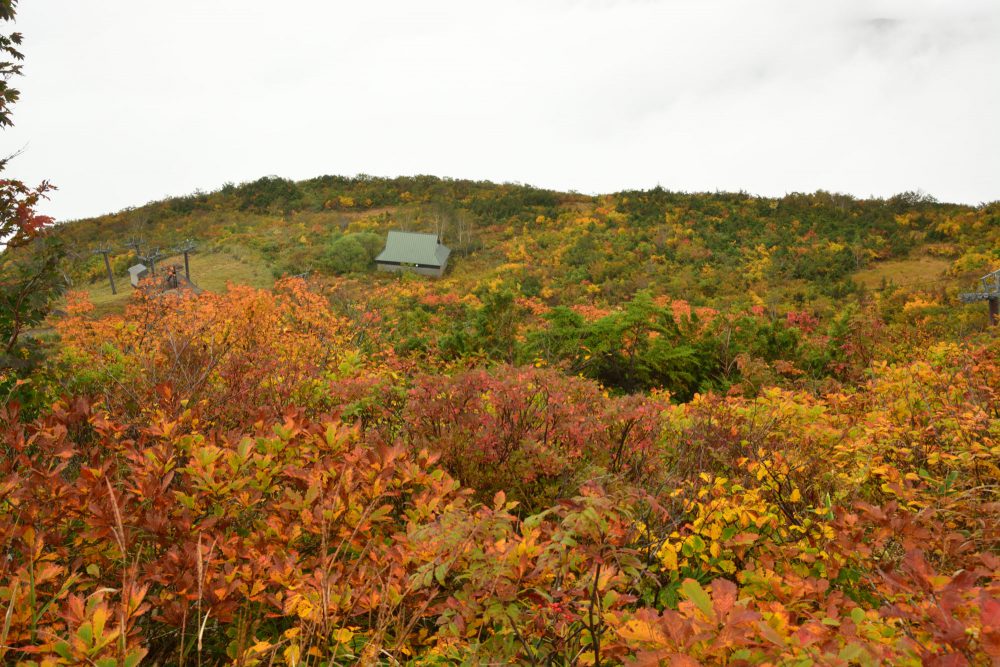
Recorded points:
(412,251)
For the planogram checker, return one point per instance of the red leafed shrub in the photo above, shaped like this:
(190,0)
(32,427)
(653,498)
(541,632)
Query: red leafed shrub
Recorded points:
(533,433)
(786,529)
(124,543)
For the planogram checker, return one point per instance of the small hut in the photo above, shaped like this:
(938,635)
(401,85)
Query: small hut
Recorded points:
(411,251)
(136,273)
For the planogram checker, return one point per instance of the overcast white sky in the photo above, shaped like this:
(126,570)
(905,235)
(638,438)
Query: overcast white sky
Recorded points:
(126,101)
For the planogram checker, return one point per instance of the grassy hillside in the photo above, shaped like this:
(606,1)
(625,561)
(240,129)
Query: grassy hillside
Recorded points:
(640,428)
(923,270)
(721,249)
(212,271)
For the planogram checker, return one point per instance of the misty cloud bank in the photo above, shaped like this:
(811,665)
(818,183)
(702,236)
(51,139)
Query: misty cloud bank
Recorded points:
(124,102)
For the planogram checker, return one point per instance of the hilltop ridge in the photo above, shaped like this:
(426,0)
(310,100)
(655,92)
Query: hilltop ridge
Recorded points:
(712,249)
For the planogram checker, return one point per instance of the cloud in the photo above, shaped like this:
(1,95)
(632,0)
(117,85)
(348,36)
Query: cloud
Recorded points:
(124,102)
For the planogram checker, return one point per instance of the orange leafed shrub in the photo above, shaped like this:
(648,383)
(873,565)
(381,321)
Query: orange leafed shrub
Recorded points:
(235,356)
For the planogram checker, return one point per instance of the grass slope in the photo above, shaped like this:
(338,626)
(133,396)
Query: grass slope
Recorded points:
(210,271)
(903,272)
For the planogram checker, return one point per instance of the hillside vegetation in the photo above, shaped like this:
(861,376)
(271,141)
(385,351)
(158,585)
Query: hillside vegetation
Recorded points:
(644,428)
(703,247)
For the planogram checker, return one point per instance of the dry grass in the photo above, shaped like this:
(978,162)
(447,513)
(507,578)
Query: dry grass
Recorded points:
(903,272)
(210,271)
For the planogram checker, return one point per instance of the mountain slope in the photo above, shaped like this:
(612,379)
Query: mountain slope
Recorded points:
(709,249)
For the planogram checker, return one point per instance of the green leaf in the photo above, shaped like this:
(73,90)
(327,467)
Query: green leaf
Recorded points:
(62,648)
(86,633)
(851,652)
(439,572)
(312,493)
(693,591)
(535,520)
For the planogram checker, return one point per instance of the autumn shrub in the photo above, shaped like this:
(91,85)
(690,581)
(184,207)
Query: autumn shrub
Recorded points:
(204,538)
(872,504)
(530,432)
(235,356)
(747,531)
(292,543)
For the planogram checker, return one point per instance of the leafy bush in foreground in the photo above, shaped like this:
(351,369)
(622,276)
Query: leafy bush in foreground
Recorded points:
(788,528)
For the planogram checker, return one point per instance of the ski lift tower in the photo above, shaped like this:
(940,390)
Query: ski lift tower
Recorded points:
(989,292)
(151,258)
(106,250)
(187,248)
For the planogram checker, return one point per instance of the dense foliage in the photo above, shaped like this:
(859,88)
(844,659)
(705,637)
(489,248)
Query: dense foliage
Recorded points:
(708,247)
(270,476)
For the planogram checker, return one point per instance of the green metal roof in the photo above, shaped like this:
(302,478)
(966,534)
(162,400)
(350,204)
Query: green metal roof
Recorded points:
(414,248)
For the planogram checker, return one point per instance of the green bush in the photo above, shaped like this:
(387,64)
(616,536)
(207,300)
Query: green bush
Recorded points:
(346,254)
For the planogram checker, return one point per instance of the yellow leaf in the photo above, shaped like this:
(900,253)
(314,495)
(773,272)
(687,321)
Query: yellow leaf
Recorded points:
(641,631)
(343,635)
(292,654)
(304,609)
(99,619)
(668,557)
(260,647)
